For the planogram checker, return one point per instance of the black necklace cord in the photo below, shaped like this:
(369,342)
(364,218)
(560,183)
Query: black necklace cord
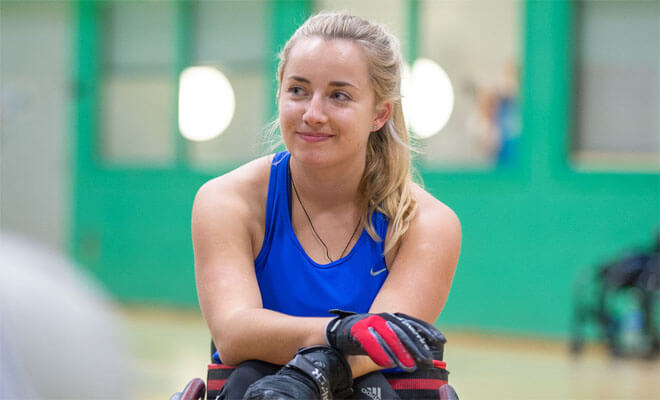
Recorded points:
(316,234)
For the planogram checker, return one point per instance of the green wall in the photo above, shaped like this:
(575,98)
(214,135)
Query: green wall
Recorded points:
(527,228)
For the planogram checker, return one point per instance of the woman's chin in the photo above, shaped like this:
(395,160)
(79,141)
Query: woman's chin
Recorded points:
(311,157)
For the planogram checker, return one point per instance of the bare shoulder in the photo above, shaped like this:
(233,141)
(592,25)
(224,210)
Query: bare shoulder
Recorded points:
(434,216)
(238,188)
(234,200)
(435,229)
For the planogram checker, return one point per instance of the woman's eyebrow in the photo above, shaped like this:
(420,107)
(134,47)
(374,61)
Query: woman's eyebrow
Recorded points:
(299,78)
(342,83)
(331,83)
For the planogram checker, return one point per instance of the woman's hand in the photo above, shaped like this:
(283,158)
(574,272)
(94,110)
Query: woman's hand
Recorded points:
(389,339)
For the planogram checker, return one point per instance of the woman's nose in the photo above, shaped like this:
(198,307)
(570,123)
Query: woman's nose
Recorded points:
(315,113)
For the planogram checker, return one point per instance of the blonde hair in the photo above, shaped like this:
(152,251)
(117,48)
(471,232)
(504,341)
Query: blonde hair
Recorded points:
(386,183)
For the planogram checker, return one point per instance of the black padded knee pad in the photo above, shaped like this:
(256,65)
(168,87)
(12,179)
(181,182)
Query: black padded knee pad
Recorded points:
(240,378)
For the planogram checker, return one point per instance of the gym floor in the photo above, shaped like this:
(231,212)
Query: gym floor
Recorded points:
(169,347)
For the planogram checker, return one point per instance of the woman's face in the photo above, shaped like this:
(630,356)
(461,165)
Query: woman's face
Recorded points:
(327,105)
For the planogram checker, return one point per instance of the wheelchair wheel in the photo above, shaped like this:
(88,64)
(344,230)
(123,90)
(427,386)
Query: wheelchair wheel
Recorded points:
(447,392)
(194,390)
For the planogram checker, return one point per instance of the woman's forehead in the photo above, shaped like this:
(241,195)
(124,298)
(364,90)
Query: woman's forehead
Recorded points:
(331,60)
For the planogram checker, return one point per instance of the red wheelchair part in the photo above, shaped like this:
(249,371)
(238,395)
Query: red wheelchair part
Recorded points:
(194,390)
(446,392)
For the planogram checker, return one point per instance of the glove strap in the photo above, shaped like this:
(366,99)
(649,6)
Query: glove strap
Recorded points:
(327,368)
(303,364)
(336,335)
(341,313)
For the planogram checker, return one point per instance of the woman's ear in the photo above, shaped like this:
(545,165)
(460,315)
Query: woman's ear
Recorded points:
(383,113)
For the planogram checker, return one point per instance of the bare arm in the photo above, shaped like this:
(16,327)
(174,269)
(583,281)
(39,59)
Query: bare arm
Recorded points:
(421,271)
(229,296)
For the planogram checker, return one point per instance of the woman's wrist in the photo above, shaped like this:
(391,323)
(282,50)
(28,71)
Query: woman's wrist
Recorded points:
(362,365)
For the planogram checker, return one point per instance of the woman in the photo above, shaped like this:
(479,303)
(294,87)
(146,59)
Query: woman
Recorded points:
(333,222)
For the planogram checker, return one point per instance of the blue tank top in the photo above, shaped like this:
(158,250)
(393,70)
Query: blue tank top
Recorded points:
(292,283)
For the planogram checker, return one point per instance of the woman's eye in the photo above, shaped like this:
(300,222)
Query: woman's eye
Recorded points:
(340,96)
(296,91)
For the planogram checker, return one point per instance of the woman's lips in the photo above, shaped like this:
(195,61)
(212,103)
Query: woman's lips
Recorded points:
(314,137)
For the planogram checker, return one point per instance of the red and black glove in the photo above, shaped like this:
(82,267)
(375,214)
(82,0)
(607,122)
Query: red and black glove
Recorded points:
(317,372)
(389,339)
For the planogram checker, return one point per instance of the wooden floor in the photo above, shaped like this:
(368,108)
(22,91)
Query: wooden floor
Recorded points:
(170,347)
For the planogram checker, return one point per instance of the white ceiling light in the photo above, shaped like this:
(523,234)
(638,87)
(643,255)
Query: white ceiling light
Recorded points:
(206,103)
(428,97)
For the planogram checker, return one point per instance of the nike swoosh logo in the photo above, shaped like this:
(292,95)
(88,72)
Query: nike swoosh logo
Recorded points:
(380,271)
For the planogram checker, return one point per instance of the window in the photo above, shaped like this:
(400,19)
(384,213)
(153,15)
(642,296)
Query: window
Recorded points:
(142,48)
(617,106)
(230,35)
(137,86)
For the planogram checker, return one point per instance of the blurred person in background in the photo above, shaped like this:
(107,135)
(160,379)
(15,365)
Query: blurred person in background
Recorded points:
(333,222)
(494,119)
(59,337)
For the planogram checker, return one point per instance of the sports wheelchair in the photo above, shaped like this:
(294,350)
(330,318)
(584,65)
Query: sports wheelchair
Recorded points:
(419,385)
(620,299)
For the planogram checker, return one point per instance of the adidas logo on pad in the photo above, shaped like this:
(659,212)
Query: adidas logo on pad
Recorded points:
(372,392)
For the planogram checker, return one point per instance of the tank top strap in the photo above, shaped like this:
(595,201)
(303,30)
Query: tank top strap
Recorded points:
(380,223)
(278,199)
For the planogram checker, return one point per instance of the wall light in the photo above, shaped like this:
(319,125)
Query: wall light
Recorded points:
(206,103)
(428,97)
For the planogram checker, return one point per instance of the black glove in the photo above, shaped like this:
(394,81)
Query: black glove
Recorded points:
(389,339)
(317,372)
